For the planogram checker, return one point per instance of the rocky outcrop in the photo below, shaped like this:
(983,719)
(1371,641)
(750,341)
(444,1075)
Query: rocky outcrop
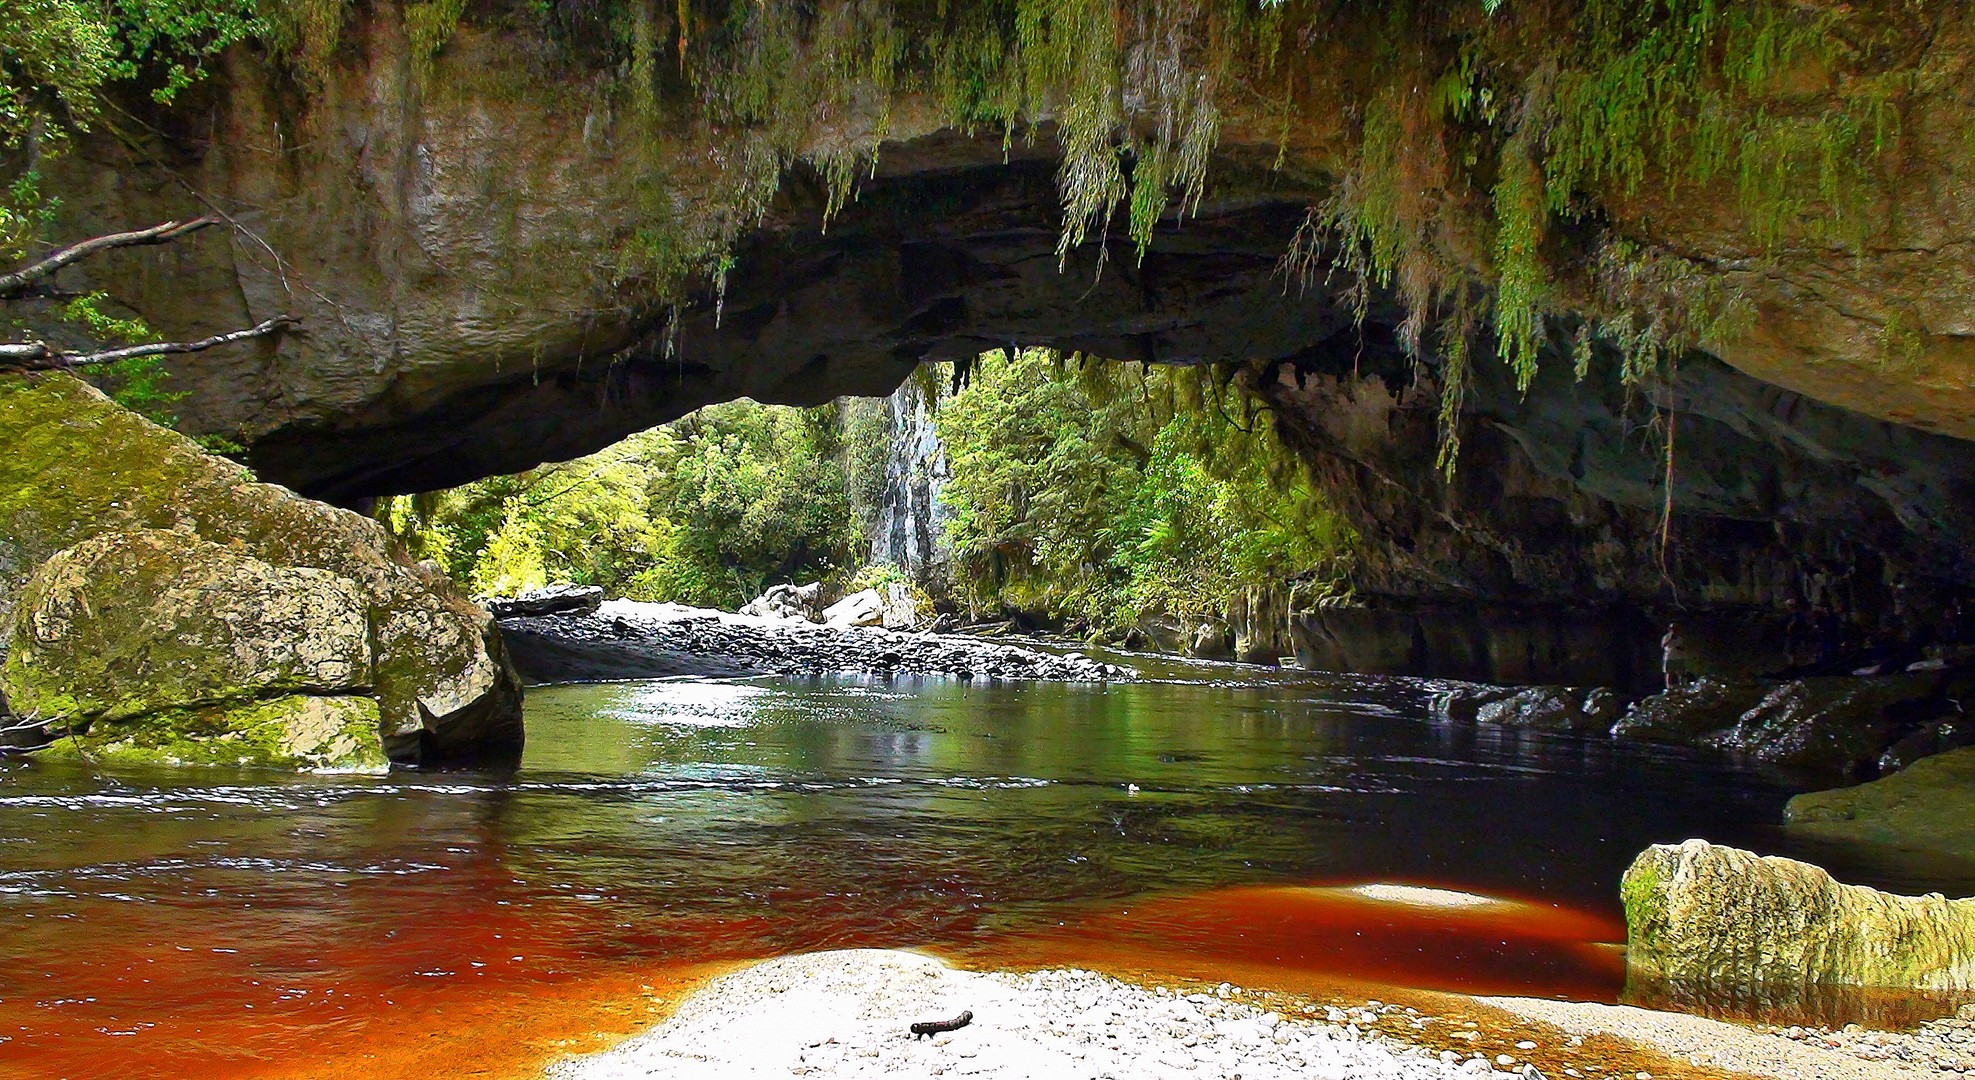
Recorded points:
(1928,806)
(1702,919)
(1479,642)
(1577,710)
(627,640)
(1832,729)
(908,523)
(157,597)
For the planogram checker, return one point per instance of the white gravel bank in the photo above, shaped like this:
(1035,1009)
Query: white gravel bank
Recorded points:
(846,1014)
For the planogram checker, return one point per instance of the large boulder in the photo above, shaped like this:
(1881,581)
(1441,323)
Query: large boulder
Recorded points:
(1930,806)
(1702,919)
(149,585)
(863,608)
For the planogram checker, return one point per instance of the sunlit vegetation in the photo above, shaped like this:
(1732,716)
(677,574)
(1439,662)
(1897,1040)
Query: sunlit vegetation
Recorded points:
(1096,493)
(1087,495)
(704,511)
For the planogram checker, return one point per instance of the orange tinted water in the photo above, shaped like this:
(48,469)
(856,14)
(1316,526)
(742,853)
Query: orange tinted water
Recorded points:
(494,988)
(233,925)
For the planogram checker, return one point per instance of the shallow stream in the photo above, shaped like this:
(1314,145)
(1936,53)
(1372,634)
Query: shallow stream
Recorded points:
(235,924)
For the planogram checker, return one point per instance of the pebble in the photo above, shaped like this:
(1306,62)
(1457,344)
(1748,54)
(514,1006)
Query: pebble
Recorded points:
(1946,1045)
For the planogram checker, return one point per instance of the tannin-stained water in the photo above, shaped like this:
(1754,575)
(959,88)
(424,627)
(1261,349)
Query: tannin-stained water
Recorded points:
(240,924)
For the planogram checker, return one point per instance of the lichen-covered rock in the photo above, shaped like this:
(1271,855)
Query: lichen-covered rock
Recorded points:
(323,734)
(80,467)
(1930,806)
(131,623)
(1707,919)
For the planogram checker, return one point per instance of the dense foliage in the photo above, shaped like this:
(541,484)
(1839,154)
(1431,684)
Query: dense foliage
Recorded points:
(704,511)
(1098,493)
(1087,494)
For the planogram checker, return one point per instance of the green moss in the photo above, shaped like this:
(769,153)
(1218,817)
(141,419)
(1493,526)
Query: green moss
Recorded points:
(1639,893)
(297,732)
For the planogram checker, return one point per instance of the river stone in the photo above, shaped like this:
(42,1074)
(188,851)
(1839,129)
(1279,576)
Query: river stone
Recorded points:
(865,608)
(321,734)
(1929,805)
(1539,708)
(1703,918)
(80,467)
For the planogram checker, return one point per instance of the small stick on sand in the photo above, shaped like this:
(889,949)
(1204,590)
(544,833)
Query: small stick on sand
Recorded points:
(934,1027)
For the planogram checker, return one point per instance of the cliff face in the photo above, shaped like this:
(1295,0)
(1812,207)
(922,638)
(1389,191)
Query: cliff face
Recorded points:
(470,246)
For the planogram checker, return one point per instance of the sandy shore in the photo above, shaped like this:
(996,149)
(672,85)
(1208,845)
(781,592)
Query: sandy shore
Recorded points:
(848,1014)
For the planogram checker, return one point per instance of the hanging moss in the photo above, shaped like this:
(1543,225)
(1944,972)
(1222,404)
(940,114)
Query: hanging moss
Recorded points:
(1481,150)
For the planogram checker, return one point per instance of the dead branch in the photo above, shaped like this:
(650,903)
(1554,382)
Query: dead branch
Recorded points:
(18,282)
(36,356)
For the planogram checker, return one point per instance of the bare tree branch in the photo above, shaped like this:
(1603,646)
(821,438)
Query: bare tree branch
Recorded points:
(19,281)
(35,356)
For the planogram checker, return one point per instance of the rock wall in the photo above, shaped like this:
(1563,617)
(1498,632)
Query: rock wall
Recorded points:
(908,527)
(1802,537)
(160,604)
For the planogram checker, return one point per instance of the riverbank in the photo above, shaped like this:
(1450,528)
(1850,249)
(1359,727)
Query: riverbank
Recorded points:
(625,639)
(848,1014)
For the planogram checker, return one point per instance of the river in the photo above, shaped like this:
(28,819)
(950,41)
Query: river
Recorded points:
(1217,820)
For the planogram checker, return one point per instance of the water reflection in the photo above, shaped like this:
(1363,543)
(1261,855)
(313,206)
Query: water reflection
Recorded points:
(239,924)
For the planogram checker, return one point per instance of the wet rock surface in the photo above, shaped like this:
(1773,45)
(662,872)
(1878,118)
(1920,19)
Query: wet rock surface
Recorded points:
(1704,919)
(1929,805)
(1540,708)
(626,640)
(549,600)
(1833,728)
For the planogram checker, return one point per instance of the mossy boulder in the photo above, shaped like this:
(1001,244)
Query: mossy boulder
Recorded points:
(1928,806)
(98,504)
(126,624)
(323,734)
(1707,920)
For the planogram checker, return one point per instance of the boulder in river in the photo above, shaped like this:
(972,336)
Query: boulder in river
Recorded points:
(154,596)
(1540,708)
(548,600)
(1703,919)
(1930,806)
